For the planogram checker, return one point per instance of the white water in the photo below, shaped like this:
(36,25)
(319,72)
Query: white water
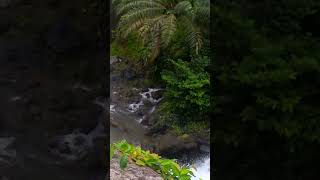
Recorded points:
(202,170)
(134,107)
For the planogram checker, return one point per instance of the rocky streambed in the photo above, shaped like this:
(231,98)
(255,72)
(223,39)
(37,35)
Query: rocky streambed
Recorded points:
(133,104)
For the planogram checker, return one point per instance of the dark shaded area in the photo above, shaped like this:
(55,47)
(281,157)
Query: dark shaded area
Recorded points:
(53,61)
(265,76)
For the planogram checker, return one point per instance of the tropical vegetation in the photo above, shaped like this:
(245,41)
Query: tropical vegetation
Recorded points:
(266,84)
(170,40)
(169,169)
(265,67)
(158,21)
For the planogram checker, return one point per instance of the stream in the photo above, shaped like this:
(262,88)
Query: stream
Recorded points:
(128,113)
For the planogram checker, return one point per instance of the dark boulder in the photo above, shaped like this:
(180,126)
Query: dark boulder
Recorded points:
(157,94)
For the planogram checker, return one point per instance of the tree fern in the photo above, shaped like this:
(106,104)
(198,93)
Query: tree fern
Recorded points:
(156,21)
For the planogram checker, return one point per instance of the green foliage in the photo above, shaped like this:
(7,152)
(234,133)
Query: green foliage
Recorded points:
(187,88)
(131,48)
(264,78)
(266,73)
(157,21)
(123,162)
(169,169)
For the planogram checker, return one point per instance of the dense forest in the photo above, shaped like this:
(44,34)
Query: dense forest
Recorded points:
(265,80)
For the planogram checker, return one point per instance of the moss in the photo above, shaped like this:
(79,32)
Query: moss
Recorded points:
(131,48)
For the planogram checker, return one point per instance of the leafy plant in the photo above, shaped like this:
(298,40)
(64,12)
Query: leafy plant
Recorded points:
(169,169)
(132,48)
(187,88)
(157,21)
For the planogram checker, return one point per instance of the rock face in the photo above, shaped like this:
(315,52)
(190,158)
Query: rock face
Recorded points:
(132,171)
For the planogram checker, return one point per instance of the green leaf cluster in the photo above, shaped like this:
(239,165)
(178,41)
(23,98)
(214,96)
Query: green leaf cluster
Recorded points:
(169,169)
(158,21)
(187,88)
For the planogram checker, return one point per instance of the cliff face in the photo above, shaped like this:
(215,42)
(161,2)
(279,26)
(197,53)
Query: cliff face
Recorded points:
(132,171)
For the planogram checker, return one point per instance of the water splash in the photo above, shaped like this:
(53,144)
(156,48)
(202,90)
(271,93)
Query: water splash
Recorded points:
(112,108)
(134,107)
(202,170)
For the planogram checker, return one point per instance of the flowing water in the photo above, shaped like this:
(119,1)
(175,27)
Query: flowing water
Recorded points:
(126,118)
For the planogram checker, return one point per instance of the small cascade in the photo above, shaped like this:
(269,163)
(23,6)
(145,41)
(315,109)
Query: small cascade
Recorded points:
(145,96)
(134,107)
(112,108)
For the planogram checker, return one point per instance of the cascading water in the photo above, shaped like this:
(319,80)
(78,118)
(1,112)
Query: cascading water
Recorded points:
(145,96)
(202,169)
(127,117)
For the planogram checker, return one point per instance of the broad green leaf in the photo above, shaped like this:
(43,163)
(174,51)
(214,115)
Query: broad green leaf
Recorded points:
(123,162)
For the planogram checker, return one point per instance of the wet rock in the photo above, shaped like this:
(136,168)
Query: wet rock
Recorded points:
(114,124)
(114,77)
(157,94)
(169,144)
(205,148)
(128,74)
(157,130)
(190,146)
(132,171)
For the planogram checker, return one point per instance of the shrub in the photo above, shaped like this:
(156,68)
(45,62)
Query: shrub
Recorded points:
(187,89)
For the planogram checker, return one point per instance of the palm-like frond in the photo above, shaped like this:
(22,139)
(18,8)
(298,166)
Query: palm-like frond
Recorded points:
(183,8)
(193,34)
(132,20)
(169,27)
(202,15)
(156,21)
(136,5)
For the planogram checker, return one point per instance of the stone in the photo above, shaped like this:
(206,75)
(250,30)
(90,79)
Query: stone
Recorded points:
(129,74)
(114,124)
(132,171)
(205,148)
(157,94)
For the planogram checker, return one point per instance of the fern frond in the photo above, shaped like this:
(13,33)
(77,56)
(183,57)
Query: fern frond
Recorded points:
(136,5)
(169,28)
(133,20)
(193,35)
(202,15)
(183,8)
